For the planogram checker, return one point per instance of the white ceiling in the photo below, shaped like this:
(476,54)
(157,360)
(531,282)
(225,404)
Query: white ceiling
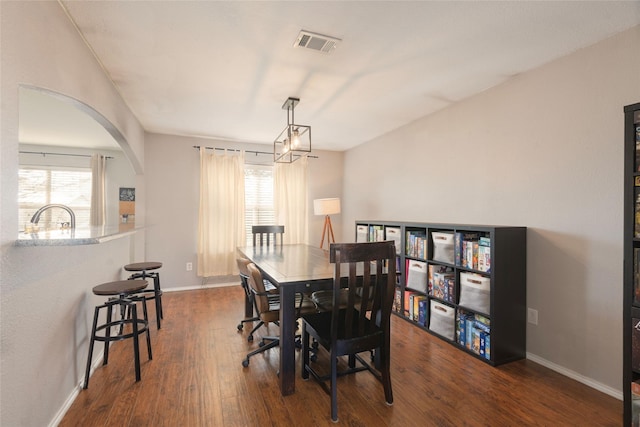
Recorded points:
(223,69)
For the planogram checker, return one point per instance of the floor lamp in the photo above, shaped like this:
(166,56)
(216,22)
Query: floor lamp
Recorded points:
(327,207)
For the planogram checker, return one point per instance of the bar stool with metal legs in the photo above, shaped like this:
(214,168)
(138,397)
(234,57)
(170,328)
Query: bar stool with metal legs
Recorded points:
(122,296)
(143,271)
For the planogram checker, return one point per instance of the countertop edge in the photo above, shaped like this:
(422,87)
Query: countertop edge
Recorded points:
(75,241)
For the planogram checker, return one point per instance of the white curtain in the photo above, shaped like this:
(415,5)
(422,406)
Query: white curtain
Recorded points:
(221,213)
(290,183)
(98,208)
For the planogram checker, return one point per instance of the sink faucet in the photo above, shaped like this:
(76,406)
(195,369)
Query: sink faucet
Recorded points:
(36,216)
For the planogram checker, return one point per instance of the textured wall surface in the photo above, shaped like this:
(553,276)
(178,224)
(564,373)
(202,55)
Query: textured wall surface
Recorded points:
(46,303)
(543,150)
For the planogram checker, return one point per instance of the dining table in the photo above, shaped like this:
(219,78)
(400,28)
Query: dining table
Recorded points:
(292,268)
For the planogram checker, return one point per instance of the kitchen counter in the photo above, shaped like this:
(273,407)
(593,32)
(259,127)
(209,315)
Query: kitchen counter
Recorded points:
(73,237)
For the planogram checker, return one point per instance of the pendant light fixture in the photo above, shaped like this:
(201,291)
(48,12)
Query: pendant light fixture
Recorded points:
(295,140)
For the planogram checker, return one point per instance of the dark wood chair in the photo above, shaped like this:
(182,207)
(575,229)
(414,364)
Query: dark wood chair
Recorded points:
(268,308)
(359,324)
(263,234)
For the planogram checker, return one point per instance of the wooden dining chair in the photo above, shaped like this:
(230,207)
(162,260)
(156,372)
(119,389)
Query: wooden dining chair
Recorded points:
(265,234)
(359,324)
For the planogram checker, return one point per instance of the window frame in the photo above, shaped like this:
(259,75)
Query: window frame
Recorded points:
(51,218)
(256,212)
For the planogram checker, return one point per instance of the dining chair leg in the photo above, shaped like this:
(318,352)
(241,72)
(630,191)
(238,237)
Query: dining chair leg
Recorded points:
(334,386)
(386,375)
(255,328)
(305,352)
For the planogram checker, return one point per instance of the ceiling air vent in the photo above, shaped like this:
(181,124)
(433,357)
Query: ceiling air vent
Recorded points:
(317,42)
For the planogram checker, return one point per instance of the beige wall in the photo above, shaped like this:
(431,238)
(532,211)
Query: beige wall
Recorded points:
(172,181)
(46,304)
(544,150)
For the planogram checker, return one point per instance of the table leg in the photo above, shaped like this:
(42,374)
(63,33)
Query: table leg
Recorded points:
(287,340)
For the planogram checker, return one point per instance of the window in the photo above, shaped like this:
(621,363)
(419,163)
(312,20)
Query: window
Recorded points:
(39,186)
(258,197)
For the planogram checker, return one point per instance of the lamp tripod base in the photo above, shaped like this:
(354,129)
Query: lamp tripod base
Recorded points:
(328,231)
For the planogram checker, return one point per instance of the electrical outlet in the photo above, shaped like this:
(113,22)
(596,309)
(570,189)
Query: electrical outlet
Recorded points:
(189,266)
(532,316)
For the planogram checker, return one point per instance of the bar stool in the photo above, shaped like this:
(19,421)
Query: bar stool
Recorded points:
(142,271)
(121,296)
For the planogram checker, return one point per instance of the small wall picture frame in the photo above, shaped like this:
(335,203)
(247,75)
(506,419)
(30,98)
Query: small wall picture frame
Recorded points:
(127,207)
(127,194)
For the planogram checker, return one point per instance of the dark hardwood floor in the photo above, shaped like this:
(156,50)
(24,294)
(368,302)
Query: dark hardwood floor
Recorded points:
(196,379)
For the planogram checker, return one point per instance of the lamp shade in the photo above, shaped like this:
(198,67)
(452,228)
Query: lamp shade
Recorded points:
(326,206)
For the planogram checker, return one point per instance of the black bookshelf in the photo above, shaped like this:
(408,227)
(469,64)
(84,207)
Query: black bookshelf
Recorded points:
(505,320)
(631,287)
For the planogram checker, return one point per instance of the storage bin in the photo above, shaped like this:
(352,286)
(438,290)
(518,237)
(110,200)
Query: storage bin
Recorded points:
(442,247)
(475,292)
(394,234)
(442,320)
(362,233)
(417,275)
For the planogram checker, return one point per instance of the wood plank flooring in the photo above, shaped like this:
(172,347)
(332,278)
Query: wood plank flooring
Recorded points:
(196,379)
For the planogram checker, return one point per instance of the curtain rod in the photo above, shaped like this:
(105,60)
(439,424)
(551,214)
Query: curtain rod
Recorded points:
(246,151)
(43,153)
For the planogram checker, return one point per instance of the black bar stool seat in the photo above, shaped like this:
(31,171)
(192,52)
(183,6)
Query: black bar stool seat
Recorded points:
(143,270)
(122,295)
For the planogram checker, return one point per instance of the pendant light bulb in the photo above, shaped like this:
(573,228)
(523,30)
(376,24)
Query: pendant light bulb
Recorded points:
(295,139)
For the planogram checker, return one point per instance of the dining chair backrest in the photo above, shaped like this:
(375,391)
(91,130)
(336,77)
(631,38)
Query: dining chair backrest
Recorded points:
(244,273)
(370,281)
(256,283)
(262,234)
(360,323)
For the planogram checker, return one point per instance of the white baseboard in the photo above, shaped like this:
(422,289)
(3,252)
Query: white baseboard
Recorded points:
(66,405)
(576,376)
(203,286)
(74,394)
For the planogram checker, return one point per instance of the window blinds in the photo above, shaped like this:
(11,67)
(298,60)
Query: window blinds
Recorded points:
(258,198)
(40,186)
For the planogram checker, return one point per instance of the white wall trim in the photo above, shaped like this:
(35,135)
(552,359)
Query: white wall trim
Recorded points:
(576,376)
(74,394)
(65,406)
(203,286)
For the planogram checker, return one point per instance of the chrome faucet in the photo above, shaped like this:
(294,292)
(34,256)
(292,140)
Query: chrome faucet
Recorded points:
(36,216)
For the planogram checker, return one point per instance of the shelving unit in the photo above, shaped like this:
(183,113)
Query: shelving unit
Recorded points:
(631,276)
(492,284)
